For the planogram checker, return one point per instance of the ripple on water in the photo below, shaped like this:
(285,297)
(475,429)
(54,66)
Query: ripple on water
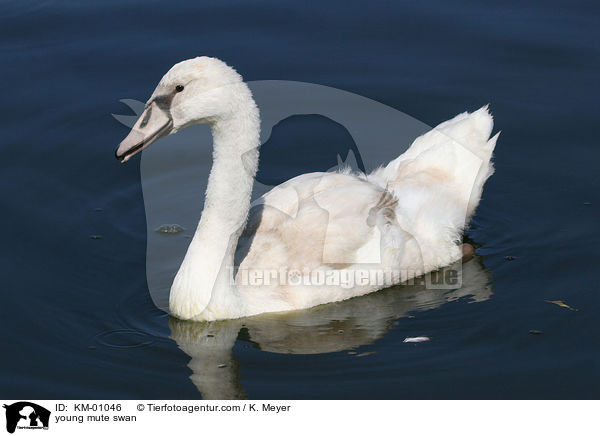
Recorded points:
(125,338)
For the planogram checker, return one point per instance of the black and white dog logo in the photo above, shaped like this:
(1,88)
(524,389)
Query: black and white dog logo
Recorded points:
(26,415)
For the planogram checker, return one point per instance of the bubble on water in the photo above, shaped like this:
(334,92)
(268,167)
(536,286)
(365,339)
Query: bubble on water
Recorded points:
(169,229)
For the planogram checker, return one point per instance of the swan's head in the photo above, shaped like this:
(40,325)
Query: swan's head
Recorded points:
(199,90)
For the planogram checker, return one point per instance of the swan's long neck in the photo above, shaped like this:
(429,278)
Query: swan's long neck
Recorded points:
(203,288)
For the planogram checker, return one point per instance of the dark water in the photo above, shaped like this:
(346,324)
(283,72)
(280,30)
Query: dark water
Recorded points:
(78,321)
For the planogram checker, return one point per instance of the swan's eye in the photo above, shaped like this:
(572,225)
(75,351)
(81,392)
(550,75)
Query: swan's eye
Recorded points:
(179,88)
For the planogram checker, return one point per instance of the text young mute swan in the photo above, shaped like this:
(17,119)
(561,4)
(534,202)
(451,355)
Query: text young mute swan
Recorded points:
(319,237)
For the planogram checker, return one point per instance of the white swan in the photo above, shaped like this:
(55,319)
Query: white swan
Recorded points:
(319,237)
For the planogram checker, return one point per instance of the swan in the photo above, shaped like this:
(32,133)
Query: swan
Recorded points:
(319,237)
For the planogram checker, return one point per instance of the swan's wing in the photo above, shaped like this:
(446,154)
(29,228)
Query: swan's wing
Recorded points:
(313,220)
(408,215)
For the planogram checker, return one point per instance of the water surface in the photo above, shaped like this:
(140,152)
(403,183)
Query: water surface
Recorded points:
(78,321)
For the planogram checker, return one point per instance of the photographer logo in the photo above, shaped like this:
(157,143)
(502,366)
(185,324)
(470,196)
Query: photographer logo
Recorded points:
(26,415)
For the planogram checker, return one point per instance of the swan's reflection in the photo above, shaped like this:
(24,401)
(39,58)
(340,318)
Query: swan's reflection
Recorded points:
(322,329)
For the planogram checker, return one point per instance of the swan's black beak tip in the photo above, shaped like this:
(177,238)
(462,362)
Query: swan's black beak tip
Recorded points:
(120,158)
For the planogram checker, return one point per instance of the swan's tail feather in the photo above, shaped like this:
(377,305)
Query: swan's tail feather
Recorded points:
(491,144)
(454,157)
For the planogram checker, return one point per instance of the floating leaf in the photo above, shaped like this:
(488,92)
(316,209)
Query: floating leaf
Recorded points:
(561,304)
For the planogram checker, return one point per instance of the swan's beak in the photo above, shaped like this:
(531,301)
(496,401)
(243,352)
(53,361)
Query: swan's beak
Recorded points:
(154,124)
